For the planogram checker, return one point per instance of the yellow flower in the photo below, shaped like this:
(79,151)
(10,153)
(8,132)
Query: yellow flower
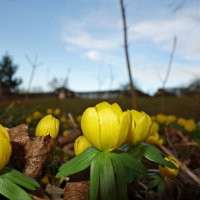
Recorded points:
(181,121)
(57,111)
(37,115)
(140,127)
(154,128)
(65,133)
(80,145)
(105,126)
(48,125)
(63,119)
(169,172)
(44,180)
(78,119)
(5,147)
(29,119)
(160,118)
(49,111)
(155,139)
(190,125)
(170,119)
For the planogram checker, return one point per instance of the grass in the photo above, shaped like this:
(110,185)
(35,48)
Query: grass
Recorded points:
(188,107)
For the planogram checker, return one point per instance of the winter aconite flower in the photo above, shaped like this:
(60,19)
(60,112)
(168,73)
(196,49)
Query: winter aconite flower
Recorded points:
(154,137)
(140,127)
(5,147)
(160,118)
(169,172)
(81,144)
(105,126)
(190,125)
(48,125)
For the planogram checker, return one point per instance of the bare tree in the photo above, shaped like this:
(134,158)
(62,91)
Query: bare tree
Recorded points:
(132,89)
(34,64)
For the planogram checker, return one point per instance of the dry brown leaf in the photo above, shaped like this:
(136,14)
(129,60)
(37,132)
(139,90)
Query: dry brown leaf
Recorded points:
(77,191)
(20,142)
(37,155)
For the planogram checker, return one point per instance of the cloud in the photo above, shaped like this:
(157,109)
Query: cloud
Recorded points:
(161,32)
(91,34)
(93,55)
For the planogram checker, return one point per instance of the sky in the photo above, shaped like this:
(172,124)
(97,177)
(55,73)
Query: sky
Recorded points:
(81,41)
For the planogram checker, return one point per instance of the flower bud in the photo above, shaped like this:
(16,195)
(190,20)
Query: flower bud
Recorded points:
(5,147)
(140,127)
(105,126)
(48,125)
(169,172)
(81,144)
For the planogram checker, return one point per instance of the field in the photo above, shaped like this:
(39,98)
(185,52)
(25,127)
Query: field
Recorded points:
(54,151)
(187,107)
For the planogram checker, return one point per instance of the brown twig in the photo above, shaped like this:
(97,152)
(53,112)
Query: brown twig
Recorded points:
(132,89)
(183,167)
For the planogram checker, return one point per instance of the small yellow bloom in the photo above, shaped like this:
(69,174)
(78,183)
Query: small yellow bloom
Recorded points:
(29,119)
(190,125)
(63,119)
(5,147)
(65,133)
(169,172)
(80,145)
(57,111)
(78,119)
(140,127)
(49,111)
(37,115)
(155,139)
(154,128)
(160,118)
(48,125)
(44,180)
(181,121)
(105,126)
(170,119)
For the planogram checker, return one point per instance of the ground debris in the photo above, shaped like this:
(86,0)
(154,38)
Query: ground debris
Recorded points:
(77,191)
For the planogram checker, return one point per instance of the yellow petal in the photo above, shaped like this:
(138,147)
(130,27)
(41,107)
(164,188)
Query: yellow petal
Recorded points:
(90,127)
(116,109)
(124,129)
(81,144)
(3,132)
(109,127)
(5,151)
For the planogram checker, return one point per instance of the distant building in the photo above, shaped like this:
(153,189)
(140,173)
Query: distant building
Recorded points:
(178,92)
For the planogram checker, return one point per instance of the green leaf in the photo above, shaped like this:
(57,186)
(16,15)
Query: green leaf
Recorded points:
(120,177)
(78,163)
(19,178)
(95,175)
(154,154)
(12,191)
(138,151)
(107,178)
(133,163)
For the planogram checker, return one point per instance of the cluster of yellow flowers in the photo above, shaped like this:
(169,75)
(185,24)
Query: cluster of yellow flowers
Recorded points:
(165,119)
(188,124)
(5,147)
(35,116)
(106,127)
